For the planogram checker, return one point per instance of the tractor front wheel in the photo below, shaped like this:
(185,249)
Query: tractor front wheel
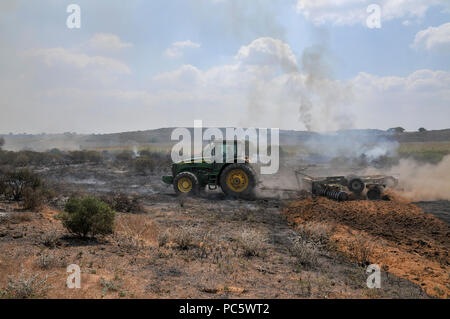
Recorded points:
(238,180)
(186,183)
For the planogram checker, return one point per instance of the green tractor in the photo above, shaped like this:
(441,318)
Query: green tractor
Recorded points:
(236,178)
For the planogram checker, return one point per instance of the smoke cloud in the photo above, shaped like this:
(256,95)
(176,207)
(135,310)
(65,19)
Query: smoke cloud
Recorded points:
(324,101)
(362,145)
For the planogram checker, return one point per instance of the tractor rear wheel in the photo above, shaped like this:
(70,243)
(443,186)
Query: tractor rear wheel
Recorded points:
(356,185)
(238,180)
(374,193)
(186,183)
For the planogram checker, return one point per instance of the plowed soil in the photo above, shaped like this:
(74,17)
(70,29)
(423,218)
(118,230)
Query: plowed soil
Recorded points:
(396,234)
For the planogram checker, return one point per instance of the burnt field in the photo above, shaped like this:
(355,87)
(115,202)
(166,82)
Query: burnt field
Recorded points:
(278,245)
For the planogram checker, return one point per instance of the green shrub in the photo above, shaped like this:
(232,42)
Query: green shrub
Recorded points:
(88,216)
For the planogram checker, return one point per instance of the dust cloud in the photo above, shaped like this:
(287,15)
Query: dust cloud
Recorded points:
(423,182)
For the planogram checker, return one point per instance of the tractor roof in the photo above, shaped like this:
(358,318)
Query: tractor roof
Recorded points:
(217,141)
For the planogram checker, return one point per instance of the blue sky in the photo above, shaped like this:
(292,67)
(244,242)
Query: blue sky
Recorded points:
(146,64)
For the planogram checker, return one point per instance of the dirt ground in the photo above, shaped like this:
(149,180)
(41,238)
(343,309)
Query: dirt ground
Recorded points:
(395,234)
(214,247)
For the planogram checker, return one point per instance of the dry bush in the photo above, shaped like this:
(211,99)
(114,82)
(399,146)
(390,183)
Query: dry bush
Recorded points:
(13,184)
(315,232)
(110,285)
(163,238)
(184,237)
(123,203)
(26,286)
(124,157)
(49,260)
(33,199)
(46,261)
(305,255)
(139,227)
(50,239)
(360,249)
(252,243)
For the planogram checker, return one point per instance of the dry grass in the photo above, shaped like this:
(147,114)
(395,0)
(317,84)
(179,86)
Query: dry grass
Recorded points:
(425,151)
(252,243)
(360,249)
(184,238)
(137,227)
(17,218)
(315,232)
(305,255)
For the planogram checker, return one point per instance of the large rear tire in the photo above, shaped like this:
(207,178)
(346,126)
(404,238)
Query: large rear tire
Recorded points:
(238,181)
(186,183)
(374,193)
(356,185)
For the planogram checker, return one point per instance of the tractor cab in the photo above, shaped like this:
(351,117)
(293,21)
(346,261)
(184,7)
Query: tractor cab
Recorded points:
(224,151)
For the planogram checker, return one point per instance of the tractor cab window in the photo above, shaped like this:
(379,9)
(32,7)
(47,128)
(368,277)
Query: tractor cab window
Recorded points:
(230,150)
(209,150)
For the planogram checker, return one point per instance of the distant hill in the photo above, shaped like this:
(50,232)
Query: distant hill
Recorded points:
(72,141)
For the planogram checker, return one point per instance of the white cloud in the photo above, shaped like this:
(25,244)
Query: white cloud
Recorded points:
(433,39)
(176,48)
(268,51)
(64,57)
(186,44)
(105,41)
(419,99)
(350,12)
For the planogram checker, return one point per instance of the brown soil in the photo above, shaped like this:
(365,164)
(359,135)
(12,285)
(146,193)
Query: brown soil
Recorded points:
(395,234)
